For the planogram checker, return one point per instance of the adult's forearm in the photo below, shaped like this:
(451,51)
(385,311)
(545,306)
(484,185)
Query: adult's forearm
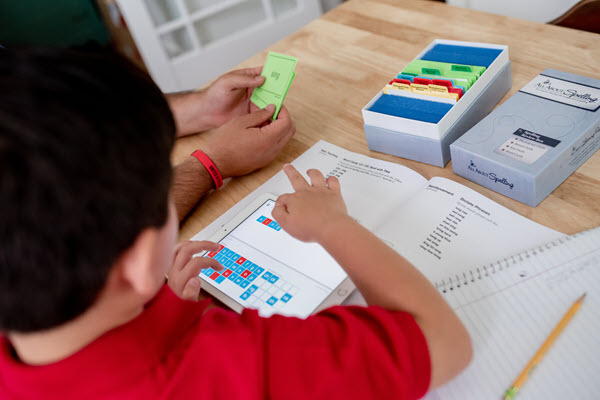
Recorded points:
(191,182)
(187,109)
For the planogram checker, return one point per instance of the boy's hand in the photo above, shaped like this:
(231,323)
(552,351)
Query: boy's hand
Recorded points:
(249,142)
(314,209)
(183,274)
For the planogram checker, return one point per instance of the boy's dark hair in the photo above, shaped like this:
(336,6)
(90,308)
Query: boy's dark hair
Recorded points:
(85,141)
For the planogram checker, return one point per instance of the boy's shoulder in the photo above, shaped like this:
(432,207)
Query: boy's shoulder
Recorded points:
(180,348)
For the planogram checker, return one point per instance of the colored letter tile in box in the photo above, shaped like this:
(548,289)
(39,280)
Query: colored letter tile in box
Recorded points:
(233,256)
(252,267)
(246,274)
(273,279)
(244,284)
(267,221)
(266,275)
(208,271)
(238,280)
(286,297)
(220,279)
(261,218)
(272,224)
(272,301)
(278,228)
(211,254)
(252,288)
(239,270)
(228,263)
(246,264)
(214,275)
(251,277)
(258,270)
(245,295)
(232,277)
(227,273)
(240,261)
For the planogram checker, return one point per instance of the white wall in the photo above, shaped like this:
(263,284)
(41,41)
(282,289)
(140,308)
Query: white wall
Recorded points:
(532,10)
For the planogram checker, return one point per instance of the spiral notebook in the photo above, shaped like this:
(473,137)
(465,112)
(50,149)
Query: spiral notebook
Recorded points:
(510,306)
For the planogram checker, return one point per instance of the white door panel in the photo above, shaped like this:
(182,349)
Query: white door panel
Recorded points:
(187,43)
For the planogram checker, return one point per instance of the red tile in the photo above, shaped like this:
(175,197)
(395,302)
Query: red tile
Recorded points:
(246,273)
(214,276)
(227,273)
(267,221)
(240,260)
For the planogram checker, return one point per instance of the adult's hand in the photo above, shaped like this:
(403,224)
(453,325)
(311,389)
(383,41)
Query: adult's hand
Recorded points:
(225,99)
(249,142)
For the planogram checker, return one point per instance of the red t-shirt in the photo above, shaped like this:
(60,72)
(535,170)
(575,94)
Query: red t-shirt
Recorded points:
(173,350)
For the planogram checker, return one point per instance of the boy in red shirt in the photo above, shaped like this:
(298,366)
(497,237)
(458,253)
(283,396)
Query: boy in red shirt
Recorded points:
(88,232)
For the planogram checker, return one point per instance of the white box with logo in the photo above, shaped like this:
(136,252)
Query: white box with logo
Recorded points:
(532,142)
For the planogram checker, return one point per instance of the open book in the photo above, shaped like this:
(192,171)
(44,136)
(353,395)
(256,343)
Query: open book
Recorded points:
(440,226)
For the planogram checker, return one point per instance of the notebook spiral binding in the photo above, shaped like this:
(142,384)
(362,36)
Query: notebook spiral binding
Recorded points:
(475,274)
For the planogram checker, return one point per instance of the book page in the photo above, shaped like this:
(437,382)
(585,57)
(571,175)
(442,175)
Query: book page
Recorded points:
(511,310)
(372,189)
(446,227)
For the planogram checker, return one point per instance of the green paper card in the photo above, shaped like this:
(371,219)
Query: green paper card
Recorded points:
(279,74)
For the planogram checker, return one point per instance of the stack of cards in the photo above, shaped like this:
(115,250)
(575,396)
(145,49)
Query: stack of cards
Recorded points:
(432,78)
(279,74)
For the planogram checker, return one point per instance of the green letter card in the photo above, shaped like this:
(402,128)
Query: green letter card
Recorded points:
(279,74)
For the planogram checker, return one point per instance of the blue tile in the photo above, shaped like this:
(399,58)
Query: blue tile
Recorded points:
(208,271)
(225,252)
(244,284)
(220,279)
(258,270)
(261,218)
(239,270)
(266,275)
(234,256)
(251,277)
(273,279)
(232,277)
(245,295)
(238,280)
(252,288)
(252,267)
(278,228)
(218,257)
(286,297)
(246,264)
(228,263)
(272,224)
(272,300)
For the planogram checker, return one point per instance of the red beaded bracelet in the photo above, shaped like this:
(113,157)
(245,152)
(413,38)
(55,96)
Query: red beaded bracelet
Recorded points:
(210,167)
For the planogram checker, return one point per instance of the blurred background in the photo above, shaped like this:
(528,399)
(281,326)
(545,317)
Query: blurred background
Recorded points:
(184,44)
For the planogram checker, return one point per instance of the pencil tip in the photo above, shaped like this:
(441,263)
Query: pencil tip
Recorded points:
(582,296)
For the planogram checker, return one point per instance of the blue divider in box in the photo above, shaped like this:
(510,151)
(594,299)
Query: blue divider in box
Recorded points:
(411,108)
(464,55)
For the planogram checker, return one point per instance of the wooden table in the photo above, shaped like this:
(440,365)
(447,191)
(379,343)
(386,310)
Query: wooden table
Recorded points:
(348,55)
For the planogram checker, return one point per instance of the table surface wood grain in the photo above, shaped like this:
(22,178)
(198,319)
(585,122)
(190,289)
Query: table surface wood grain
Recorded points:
(348,55)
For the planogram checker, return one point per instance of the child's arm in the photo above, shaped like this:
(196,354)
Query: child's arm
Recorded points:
(317,213)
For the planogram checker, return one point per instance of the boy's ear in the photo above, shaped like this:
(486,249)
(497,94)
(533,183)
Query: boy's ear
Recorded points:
(135,265)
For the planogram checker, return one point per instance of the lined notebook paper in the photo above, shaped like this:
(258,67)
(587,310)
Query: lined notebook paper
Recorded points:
(509,307)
